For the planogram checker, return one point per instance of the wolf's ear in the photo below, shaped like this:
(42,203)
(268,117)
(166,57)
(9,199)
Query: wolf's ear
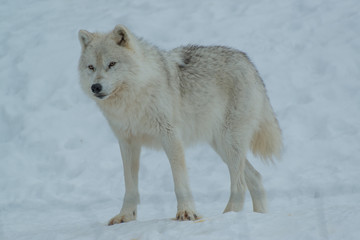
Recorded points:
(85,38)
(121,35)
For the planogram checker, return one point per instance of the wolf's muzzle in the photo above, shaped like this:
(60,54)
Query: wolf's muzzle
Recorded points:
(96,88)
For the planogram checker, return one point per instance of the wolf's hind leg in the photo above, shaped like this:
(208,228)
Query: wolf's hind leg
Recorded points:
(256,188)
(238,184)
(233,155)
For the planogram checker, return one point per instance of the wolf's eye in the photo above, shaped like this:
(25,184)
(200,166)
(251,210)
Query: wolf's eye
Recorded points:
(111,64)
(91,67)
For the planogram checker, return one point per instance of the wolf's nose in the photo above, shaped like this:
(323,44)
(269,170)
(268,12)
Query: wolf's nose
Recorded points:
(96,88)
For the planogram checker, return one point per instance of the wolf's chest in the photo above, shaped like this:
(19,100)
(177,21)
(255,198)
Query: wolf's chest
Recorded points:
(133,124)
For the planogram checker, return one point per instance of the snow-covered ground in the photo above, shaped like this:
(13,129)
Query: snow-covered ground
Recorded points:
(61,172)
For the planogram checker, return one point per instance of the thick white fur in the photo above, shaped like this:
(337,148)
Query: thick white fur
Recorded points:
(171,99)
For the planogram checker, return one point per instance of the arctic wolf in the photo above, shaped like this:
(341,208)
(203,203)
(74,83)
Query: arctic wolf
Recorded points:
(172,99)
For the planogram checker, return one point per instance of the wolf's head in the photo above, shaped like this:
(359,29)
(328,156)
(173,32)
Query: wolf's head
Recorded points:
(108,62)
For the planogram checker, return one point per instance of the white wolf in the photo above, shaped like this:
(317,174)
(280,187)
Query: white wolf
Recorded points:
(171,99)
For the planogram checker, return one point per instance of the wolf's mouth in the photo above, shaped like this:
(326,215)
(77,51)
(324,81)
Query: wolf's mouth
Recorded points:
(101,96)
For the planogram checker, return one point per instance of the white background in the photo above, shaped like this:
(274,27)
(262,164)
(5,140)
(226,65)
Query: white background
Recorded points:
(60,167)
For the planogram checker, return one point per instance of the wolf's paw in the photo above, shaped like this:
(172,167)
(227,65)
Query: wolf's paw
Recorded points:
(121,218)
(187,215)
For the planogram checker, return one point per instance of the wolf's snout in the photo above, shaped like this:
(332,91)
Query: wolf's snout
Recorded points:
(96,88)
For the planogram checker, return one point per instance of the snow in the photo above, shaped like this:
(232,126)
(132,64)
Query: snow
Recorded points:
(61,172)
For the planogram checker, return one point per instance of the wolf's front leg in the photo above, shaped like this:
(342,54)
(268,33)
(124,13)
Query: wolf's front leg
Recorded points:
(130,153)
(174,150)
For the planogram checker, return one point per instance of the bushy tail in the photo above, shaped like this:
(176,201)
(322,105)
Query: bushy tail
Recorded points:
(267,140)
